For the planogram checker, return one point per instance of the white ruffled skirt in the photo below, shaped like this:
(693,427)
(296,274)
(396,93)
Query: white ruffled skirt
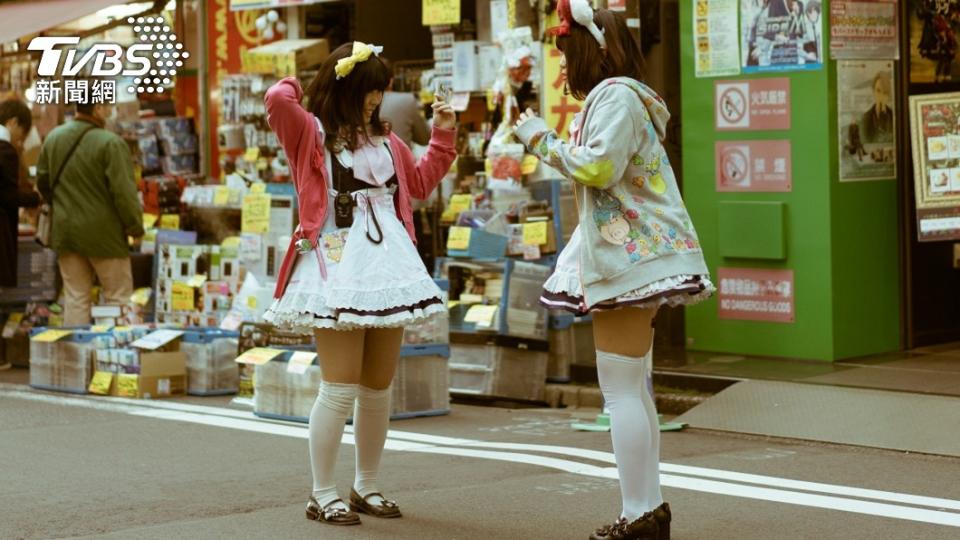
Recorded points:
(563,289)
(367,284)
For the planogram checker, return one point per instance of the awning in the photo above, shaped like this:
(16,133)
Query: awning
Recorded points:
(23,18)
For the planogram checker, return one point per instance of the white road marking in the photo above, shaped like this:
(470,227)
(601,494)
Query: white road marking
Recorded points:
(828,496)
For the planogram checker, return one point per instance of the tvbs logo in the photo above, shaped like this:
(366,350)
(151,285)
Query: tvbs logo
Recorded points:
(107,58)
(148,65)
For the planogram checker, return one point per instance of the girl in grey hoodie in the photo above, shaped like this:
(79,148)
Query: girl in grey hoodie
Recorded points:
(635,248)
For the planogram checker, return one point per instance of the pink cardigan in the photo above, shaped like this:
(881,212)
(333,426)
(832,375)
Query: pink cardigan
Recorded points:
(303,145)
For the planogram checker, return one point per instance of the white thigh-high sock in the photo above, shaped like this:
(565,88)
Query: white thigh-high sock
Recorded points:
(370,422)
(628,392)
(327,419)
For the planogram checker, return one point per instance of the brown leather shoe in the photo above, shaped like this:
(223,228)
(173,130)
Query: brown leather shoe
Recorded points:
(643,528)
(663,516)
(386,509)
(330,514)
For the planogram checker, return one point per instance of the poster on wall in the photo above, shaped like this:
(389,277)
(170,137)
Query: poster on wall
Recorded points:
(935,132)
(864,29)
(781,35)
(866,119)
(754,294)
(933,40)
(715,42)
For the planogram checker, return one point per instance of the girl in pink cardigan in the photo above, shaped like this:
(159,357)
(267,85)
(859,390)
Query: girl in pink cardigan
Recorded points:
(352,275)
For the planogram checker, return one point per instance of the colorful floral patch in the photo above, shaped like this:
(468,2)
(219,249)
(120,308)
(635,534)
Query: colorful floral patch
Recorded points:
(595,175)
(637,160)
(639,181)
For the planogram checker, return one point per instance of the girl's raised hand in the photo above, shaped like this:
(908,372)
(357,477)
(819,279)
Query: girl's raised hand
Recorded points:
(524,116)
(443,115)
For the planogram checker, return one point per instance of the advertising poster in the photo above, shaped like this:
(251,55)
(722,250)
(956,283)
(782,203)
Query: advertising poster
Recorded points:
(753,294)
(715,38)
(864,29)
(866,119)
(935,130)
(933,40)
(781,35)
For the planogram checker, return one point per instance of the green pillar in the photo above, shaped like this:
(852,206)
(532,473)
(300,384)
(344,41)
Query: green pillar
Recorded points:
(840,239)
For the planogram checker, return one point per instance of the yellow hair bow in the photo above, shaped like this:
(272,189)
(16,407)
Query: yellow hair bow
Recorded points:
(361,53)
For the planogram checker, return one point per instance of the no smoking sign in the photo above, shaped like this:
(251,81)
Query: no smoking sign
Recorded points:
(754,166)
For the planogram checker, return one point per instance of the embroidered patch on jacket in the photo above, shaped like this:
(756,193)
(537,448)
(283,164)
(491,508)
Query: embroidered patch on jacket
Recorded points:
(333,244)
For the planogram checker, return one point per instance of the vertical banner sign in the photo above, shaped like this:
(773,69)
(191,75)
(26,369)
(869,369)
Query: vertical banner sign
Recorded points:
(781,35)
(229,35)
(866,118)
(715,40)
(437,12)
(559,109)
(865,29)
(751,294)
(757,104)
(754,166)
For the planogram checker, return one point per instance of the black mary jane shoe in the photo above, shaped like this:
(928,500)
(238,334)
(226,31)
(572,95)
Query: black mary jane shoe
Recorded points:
(643,528)
(386,509)
(663,516)
(330,514)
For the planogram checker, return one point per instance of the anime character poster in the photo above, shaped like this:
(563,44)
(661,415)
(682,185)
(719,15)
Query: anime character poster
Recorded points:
(781,35)
(933,40)
(866,120)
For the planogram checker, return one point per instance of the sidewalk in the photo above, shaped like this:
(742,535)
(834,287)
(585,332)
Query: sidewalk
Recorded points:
(899,401)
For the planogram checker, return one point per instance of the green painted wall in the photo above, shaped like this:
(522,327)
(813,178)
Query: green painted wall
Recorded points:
(841,239)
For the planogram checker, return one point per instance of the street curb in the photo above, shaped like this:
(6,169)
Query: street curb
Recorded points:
(589,397)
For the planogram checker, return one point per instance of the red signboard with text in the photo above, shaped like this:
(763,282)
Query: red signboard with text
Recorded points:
(756,104)
(752,294)
(760,166)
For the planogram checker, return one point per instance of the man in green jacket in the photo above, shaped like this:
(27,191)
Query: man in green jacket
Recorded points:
(95,208)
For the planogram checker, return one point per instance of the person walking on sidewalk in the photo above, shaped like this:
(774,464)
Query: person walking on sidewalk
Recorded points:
(635,248)
(86,173)
(352,275)
(15,122)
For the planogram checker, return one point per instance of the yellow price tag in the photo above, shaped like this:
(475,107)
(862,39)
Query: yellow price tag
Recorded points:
(141,296)
(197,280)
(258,356)
(128,385)
(252,302)
(459,238)
(170,221)
(263,164)
(529,164)
(535,234)
(182,294)
(149,220)
(437,12)
(255,217)
(488,168)
(251,155)
(482,316)
(300,362)
(230,242)
(100,384)
(49,336)
(221,196)
(101,328)
(460,203)
(258,187)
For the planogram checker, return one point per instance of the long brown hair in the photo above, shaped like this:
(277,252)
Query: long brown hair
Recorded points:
(588,64)
(339,103)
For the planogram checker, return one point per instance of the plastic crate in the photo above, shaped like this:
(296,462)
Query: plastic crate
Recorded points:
(483,245)
(498,366)
(571,342)
(436,330)
(525,316)
(66,365)
(420,388)
(211,366)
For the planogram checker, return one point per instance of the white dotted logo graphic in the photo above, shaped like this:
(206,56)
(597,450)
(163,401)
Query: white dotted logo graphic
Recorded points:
(167,55)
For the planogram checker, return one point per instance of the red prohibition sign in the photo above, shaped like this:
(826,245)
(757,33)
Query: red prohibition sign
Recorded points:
(733,105)
(734,165)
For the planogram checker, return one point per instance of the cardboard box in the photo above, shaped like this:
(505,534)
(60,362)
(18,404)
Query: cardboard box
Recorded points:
(163,368)
(285,58)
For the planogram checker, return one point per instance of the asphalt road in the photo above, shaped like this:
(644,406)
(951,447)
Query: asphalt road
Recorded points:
(82,467)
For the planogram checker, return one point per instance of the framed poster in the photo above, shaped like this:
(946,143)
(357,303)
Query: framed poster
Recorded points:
(781,35)
(866,119)
(935,128)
